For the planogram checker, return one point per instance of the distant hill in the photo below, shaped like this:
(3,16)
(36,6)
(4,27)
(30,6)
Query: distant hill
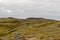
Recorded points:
(30,28)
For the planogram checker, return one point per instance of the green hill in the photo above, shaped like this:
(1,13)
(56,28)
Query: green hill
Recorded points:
(30,28)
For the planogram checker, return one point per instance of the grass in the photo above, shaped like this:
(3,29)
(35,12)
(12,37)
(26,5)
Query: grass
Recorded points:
(42,29)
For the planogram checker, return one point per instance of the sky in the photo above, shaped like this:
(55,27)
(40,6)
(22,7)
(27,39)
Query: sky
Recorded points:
(30,8)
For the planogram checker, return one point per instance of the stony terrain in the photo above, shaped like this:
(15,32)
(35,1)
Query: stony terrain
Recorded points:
(29,29)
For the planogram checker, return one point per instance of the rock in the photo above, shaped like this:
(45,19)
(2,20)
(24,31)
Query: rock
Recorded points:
(19,37)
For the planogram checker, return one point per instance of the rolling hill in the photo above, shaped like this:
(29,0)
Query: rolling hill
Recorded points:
(29,28)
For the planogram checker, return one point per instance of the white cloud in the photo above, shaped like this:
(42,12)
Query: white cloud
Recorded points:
(25,8)
(5,10)
(15,1)
(19,10)
(0,0)
(9,11)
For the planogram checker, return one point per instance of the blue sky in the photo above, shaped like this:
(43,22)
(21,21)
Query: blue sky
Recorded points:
(30,8)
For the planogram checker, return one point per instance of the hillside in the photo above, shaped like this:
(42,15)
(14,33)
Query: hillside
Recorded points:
(29,28)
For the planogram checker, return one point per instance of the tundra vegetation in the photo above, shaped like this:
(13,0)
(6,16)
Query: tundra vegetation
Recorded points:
(29,29)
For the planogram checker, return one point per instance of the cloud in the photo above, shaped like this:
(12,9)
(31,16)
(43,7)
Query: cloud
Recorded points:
(14,1)
(27,8)
(5,10)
